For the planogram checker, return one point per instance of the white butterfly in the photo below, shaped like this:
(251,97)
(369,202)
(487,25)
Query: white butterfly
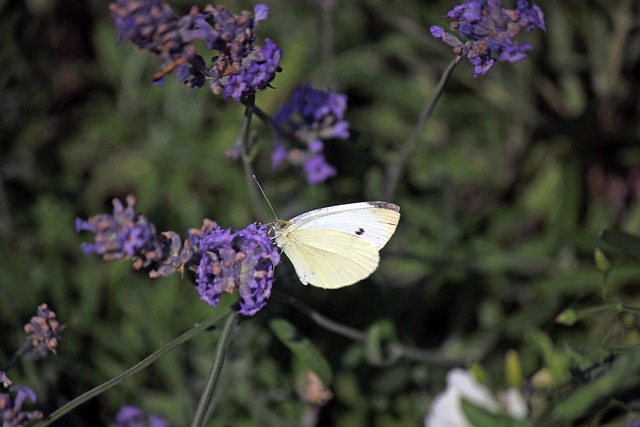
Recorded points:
(337,246)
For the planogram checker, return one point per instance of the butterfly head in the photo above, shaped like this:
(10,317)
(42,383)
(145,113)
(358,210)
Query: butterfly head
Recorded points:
(276,228)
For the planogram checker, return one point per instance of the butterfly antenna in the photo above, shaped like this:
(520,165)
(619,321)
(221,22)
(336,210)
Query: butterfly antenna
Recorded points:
(265,196)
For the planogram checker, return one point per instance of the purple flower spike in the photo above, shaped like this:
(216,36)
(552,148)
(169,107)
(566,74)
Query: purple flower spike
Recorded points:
(242,260)
(310,117)
(132,416)
(128,235)
(44,332)
(11,411)
(240,67)
(490,31)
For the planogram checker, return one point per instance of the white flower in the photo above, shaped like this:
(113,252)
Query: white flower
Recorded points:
(446,410)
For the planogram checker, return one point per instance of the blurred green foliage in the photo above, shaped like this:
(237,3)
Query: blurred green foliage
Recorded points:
(503,201)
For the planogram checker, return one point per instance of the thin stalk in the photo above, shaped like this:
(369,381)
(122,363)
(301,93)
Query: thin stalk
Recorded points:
(133,370)
(218,361)
(17,356)
(396,169)
(256,201)
(397,349)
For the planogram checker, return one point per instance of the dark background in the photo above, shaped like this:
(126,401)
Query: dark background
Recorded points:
(503,200)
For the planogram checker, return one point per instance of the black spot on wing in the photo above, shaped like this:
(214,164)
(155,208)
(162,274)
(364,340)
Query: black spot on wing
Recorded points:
(360,231)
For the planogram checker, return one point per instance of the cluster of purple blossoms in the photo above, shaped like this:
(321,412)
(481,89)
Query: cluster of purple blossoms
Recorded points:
(223,260)
(310,117)
(44,332)
(242,260)
(490,31)
(11,411)
(240,67)
(132,416)
(129,235)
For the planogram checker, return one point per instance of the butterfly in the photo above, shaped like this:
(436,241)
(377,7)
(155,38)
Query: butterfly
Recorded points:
(337,246)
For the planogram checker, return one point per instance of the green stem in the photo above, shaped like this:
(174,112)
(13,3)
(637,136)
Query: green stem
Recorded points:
(17,356)
(133,370)
(256,201)
(207,394)
(397,168)
(412,353)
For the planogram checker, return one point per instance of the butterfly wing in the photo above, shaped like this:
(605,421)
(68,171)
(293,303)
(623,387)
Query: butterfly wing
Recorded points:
(329,258)
(338,246)
(374,222)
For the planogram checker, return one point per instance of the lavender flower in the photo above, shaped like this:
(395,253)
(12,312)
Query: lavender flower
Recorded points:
(310,117)
(151,25)
(11,411)
(132,416)
(240,67)
(44,332)
(242,260)
(490,31)
(129,235)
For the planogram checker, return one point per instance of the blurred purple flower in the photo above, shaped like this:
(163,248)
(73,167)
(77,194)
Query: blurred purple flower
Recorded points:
(11,411)
(239,66)
(490,31)
(44,332)
(310,117)
(318,170)
(132,416)
(242,260)
(127,234)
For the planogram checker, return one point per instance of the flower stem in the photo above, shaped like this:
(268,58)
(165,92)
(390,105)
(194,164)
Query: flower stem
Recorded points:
(397,349)
(207,394)
(17,356)
(395,170)
(256,201)
(133,370)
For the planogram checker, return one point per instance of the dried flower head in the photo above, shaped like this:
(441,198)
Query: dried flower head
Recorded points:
(132,416)
(311,117)
(242,260)
(490,31)
(44,332)
(11,408)
(313,391)
(5,380)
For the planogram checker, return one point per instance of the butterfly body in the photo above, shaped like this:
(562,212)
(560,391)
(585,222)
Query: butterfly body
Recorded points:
(337,246)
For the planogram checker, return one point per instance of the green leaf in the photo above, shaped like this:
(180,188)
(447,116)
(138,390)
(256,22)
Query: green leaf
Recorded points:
(378,336)
(622,375)
(623,241)
(303,349)
(480,417)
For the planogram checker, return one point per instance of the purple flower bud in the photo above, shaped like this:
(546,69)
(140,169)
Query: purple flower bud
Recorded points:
(132,416)
(44,332)
(260,12)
